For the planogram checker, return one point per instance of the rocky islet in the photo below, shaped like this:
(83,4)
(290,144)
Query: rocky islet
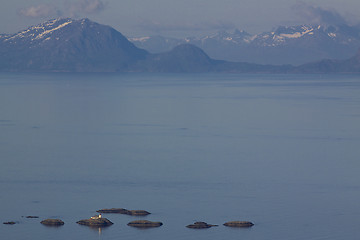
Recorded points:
(52,222)
(9,223)
(239,224)
(96,221)
(124,211)
(144,224)
(200,225)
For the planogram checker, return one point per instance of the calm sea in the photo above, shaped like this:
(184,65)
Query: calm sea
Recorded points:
(282,151)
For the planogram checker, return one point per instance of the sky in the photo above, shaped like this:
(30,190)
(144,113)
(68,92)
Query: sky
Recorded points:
(180,18)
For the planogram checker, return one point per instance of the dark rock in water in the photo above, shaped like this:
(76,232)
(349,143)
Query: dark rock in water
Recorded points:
(200,225)
(144,224)
(9,223)
(239,224)
(32,216)
(124,211)
(137,212)
(52,222)
(95,222)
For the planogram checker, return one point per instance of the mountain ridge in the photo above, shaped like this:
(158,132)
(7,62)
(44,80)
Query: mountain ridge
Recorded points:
(69,45)
(294,45)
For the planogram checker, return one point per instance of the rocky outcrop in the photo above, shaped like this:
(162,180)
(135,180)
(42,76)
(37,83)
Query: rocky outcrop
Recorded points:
(144,224)
(52,222)
(124,211)
(200,225)
(95,222)
(239,224)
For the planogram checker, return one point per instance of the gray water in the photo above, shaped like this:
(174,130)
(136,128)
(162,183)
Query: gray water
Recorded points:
(282,151)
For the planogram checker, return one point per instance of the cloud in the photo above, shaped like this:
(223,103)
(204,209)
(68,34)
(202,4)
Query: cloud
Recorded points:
(81,7)
(71,9)
(39,11)
(318,15)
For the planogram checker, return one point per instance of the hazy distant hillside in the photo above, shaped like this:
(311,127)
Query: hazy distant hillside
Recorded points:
(284,45)
(351,65)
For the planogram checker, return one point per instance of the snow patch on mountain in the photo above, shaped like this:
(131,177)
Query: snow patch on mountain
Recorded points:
(18,35)
(297,34)
(39,31)
(139,39)
(52,30)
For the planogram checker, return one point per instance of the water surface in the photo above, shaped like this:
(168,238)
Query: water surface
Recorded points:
(281,151)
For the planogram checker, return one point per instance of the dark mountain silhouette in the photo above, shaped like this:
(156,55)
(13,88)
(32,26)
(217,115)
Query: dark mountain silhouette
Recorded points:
(183,58)
(190,58)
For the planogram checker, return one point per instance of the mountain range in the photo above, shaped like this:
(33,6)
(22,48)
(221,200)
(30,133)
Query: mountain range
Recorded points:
(294,45)
(69,45)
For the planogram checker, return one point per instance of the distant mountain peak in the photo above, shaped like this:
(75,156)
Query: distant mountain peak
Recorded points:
(67,44)
(47,29)
(189,48)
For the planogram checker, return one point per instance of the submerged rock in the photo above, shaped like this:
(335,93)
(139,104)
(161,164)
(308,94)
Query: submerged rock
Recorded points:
(200,225)
(144,224)
(52,222)
(124,211)
(32,216)
(95,222)
(239,224)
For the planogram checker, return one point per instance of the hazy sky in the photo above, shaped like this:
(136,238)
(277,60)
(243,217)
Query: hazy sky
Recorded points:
(181,17)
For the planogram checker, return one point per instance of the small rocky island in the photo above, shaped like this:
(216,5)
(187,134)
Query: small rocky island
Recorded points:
(95,221)
(144,224)
(52,222)
(200,225)
(239,224)
(124,211)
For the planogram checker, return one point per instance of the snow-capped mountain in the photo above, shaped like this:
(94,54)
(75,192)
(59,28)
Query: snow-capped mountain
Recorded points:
(68,44)
(286,35)
(284,45)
